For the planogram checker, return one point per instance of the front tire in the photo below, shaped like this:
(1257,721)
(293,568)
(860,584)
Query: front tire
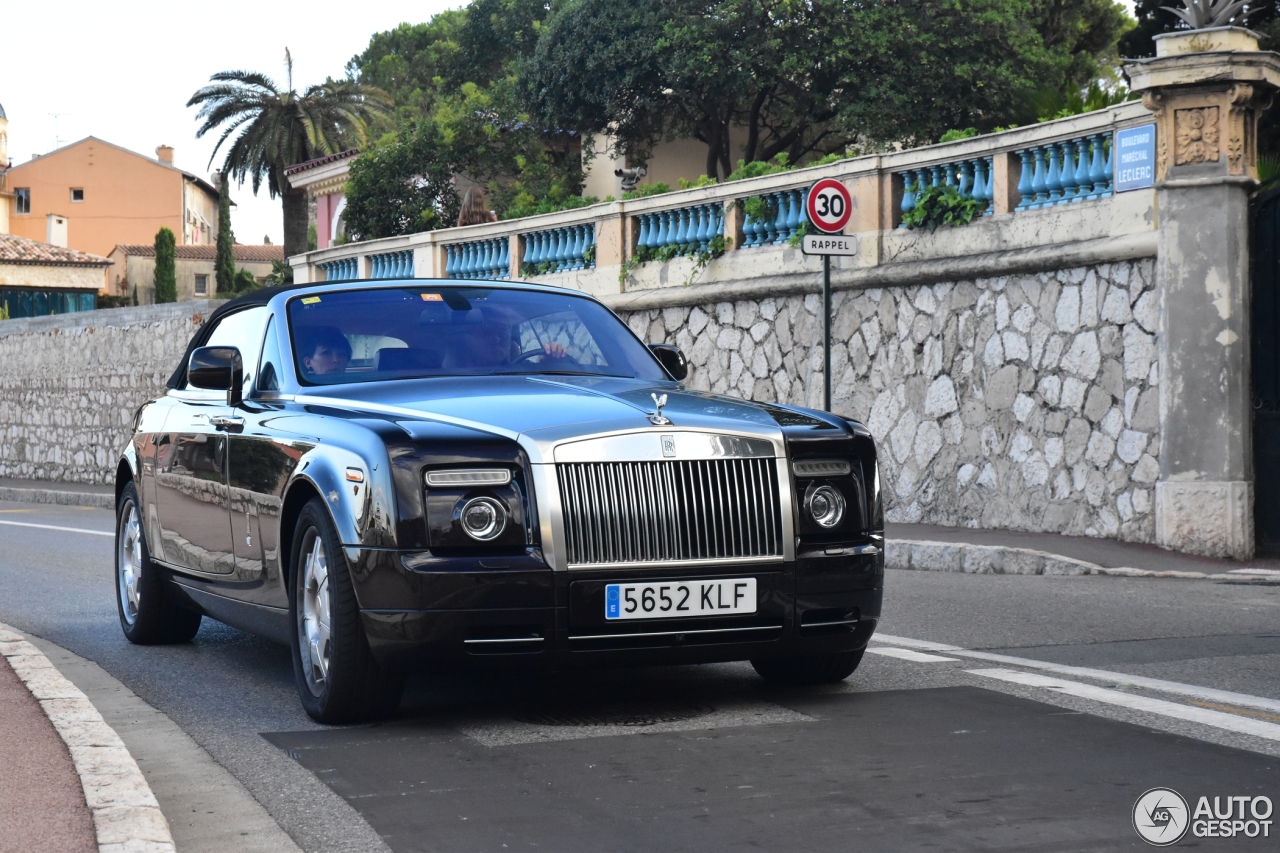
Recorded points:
(809,669)
(147,617)
(337,678)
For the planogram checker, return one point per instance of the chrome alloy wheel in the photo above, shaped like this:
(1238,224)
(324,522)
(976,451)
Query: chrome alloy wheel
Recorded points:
(316,635)
(129,562)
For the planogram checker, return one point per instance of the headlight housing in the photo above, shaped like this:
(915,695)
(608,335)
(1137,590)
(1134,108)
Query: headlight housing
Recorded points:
(825,506)
(483,519)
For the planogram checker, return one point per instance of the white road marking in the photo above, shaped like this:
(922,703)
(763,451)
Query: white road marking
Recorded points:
(908,654)
(1190,713)
(1209,694)
(56,527)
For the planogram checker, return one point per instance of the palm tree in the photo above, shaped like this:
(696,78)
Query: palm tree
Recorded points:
(276,129)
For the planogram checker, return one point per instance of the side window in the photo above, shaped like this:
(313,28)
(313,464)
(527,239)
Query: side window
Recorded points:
(271,362)
(242,330)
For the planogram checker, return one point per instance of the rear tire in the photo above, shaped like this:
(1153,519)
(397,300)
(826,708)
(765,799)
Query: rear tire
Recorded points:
(147,616)
(337,677)
(809,669)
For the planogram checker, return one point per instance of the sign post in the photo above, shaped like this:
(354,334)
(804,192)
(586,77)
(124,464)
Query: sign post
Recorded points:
(829,206)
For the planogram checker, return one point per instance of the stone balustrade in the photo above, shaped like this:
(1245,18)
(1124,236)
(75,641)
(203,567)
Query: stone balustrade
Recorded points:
(689,229)
(1072,170)
(391,265)
(340,269)
(559,250)
(479,259)
(972,179)
(787,209)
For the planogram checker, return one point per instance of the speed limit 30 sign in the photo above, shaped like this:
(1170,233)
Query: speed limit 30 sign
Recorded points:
(829,206)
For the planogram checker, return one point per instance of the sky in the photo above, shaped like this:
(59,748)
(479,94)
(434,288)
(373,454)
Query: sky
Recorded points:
(123,71)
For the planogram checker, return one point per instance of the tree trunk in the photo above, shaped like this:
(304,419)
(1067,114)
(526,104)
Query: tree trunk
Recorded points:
(294,202)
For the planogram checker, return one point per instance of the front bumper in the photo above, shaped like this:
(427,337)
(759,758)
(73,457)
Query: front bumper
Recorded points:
(423,613)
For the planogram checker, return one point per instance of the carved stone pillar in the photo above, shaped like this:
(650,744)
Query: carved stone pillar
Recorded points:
(1205,105)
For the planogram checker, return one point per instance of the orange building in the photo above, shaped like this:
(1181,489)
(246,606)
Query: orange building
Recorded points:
(93,196)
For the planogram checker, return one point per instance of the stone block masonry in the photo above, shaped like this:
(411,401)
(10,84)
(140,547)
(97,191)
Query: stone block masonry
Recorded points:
(71,384)
(1026,402)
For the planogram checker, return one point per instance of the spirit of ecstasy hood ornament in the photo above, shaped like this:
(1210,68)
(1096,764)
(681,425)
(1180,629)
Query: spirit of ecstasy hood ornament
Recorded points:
(655,417)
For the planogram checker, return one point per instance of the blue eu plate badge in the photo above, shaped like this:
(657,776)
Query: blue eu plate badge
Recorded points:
(612,608)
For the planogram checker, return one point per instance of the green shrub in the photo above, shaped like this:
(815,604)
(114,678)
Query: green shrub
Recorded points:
(942,206)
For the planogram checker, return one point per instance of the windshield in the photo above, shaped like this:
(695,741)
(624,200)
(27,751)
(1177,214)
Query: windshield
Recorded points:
(402,332)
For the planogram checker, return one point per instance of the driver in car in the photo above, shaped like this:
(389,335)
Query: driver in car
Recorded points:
(492,343)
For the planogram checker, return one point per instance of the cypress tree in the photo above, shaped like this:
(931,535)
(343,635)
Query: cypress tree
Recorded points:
(166,274)
(224,264)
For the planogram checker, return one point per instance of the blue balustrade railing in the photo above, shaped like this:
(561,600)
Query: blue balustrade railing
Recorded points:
(392,265)
(559,250)
(971,178)
(786,214)
(690,228)
(343,269)
(488,259)
(1065,172)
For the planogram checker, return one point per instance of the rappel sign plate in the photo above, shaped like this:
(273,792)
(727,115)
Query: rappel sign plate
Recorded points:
(829,206)
(829,244)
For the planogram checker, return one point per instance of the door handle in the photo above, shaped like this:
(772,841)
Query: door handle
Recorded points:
(227,424)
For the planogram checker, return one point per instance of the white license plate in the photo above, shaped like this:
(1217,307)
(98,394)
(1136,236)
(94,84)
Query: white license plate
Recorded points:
(676,599)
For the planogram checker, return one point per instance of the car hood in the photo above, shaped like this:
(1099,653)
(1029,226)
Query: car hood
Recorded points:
(533,405)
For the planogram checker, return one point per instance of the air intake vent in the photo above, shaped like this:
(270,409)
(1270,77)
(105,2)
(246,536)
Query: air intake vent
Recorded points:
(681,511)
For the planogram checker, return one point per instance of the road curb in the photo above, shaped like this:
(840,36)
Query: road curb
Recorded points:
(126,816)
(925,556)
(54,496)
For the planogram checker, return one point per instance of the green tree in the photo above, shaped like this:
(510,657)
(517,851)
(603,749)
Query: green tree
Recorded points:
(805,79)
(411,62)
(224,263)
(276,128)
(402,186)
(166,280)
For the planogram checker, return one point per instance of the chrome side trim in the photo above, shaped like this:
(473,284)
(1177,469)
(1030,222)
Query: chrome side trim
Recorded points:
(825,624)
(505,640)
(674,633)
(853,551)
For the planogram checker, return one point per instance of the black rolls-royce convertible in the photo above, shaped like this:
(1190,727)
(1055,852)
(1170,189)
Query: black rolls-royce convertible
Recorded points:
(395,476)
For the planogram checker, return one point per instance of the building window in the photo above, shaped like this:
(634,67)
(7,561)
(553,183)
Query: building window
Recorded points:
(202,285)
(24,199)
(77,195)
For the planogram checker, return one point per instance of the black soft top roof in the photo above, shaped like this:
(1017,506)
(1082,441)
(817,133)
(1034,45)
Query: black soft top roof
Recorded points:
(251,299)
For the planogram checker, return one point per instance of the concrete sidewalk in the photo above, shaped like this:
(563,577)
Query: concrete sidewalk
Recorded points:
(52,492)
(930,547)
(42,806)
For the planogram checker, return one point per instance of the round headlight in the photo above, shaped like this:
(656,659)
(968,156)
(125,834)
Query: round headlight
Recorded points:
(826,506)
(483,519)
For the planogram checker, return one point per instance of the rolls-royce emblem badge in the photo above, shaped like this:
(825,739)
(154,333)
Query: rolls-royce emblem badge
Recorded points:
(668,445)
(655,417)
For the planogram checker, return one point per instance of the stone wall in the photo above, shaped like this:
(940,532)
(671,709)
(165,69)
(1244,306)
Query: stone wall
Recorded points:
(71,384)
(52,275)
(1026,402)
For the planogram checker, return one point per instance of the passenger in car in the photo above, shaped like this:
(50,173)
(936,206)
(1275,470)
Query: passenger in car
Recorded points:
(324,351)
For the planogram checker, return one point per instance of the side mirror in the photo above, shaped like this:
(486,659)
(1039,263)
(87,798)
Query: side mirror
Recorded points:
(672,359)
(217,369)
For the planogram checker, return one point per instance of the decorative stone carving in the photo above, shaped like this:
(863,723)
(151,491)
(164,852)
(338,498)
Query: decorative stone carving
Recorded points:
(1197,132)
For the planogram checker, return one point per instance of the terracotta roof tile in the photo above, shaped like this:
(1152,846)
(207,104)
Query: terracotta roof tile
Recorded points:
(209,251)
(320,161)
(20,250)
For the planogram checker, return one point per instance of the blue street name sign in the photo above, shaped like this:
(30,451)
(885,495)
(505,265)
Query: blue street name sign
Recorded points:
(1135,157)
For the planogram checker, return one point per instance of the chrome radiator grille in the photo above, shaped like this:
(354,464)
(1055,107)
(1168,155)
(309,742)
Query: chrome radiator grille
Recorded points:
(671,511)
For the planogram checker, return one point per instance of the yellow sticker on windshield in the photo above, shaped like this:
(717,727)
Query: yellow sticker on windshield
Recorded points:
(432,297)
(310,300)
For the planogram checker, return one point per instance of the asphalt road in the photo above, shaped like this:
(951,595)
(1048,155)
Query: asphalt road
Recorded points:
(999,712)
